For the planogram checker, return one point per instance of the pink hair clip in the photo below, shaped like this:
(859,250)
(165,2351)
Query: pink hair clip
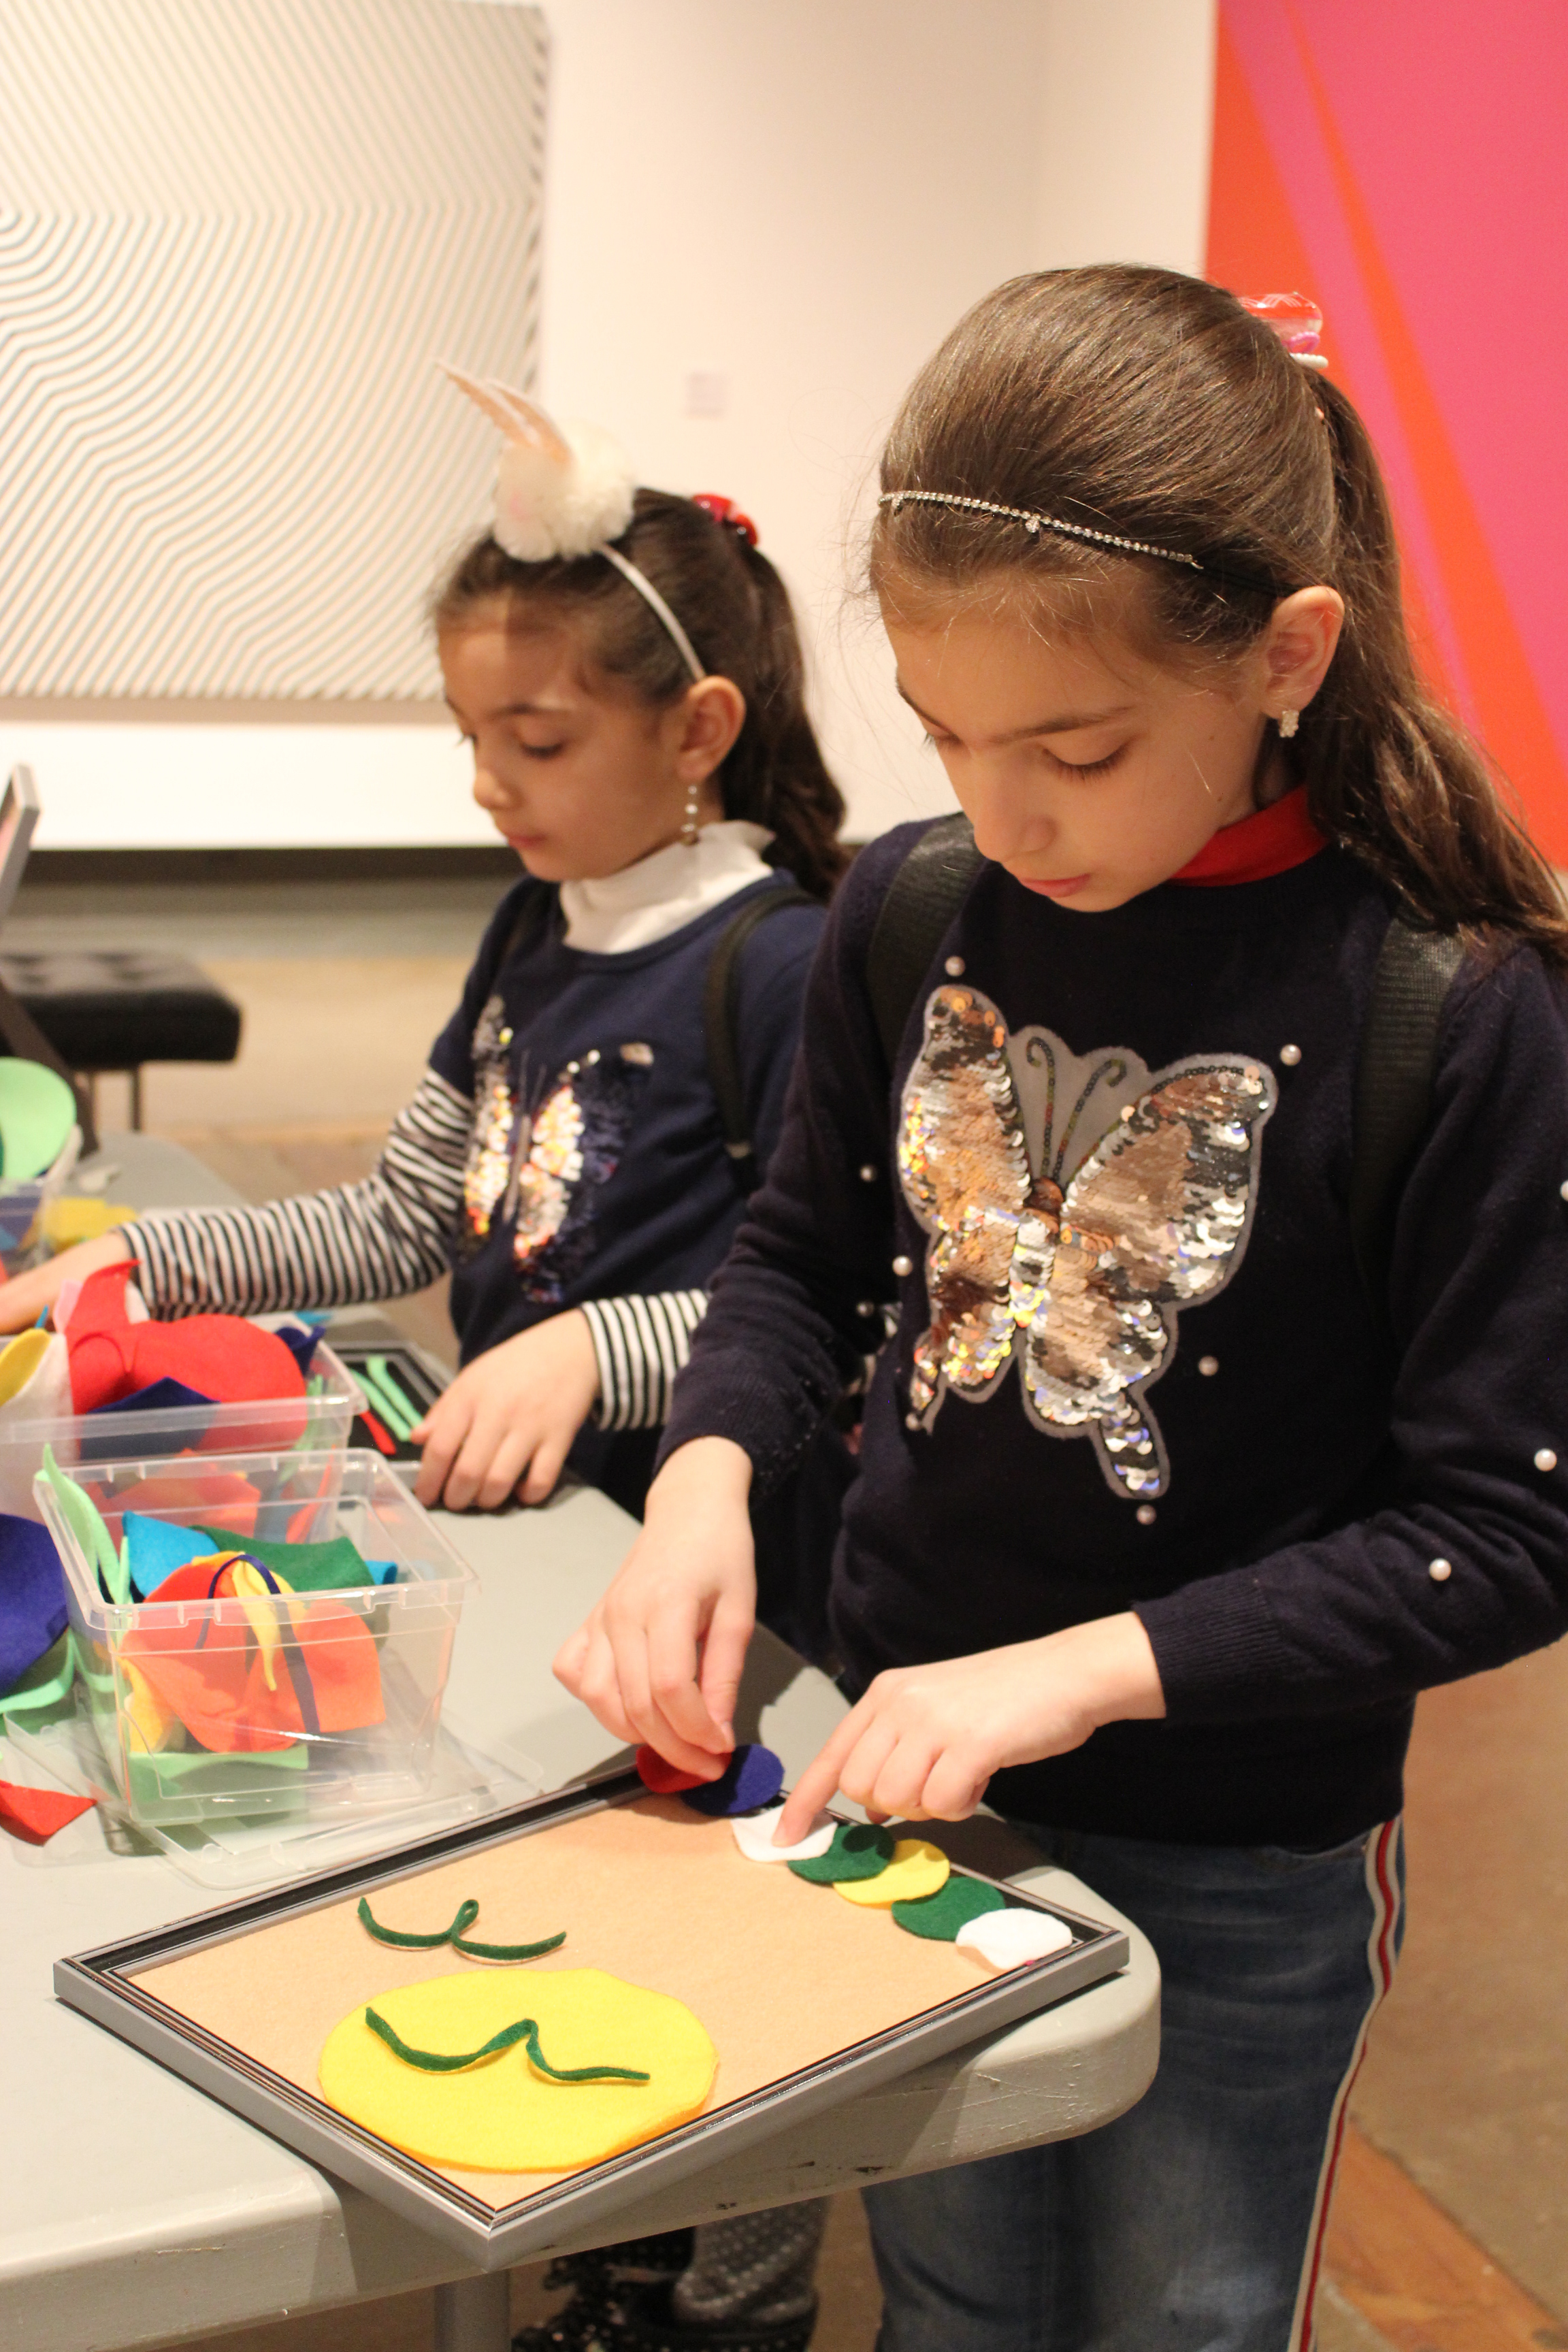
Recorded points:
(1295,319)
(726,510)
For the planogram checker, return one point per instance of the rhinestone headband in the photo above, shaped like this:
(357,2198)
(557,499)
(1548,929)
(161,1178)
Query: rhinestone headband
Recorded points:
(1034,523)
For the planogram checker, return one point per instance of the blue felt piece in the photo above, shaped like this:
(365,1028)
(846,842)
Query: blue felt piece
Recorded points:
(301,1341)
(383,1571)
(752,1777)
(154,1550)
(32,1596)
(168,1395)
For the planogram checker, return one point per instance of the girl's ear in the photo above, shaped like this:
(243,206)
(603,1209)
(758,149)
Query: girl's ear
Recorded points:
(703,727)
(1298,646)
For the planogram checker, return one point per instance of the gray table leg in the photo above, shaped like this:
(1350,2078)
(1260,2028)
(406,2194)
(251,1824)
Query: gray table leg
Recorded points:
(474,2315)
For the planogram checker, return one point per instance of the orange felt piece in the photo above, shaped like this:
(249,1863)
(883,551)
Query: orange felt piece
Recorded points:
(214,1675)
(37,1814)
(223,1356)
(222,1496)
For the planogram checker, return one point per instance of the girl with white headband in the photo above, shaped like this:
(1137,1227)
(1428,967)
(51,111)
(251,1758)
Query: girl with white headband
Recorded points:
(1210,1141)
(626,665)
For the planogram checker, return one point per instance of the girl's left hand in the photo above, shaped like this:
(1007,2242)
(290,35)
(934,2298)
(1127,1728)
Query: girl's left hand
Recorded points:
(925,1741)
(509,1417)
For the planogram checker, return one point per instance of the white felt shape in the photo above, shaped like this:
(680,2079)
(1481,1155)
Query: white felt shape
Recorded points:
(754,1837)
(559,489)
(1006,1939)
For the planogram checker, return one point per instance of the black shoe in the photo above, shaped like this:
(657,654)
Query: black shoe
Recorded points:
(646,2322)
(600,2281)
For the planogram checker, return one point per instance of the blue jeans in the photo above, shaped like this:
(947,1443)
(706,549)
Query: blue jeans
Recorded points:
(1194,2223)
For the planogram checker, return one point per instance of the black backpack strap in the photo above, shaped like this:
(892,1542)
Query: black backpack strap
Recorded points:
(1415,969)
(721,1021)
(923,897)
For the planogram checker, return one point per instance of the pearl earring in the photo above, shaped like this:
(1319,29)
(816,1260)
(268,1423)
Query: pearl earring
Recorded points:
(1288,722)
(689,830)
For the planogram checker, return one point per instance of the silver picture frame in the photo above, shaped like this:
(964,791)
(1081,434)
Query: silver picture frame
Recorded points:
(101,1985)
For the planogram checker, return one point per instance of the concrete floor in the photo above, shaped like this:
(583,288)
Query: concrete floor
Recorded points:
(1465,2085)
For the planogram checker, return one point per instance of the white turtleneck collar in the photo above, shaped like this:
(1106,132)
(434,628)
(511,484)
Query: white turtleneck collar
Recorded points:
(666,891)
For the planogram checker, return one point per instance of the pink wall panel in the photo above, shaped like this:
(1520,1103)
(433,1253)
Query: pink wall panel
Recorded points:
(1407,163)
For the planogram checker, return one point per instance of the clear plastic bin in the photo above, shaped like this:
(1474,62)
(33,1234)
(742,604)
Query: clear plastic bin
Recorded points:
(313,1424)
(310,1703)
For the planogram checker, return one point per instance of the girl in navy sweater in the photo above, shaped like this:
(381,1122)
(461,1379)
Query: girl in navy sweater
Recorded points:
(625,664)
(1174,1491)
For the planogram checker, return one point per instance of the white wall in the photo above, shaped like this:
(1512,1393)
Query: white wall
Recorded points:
(795,196)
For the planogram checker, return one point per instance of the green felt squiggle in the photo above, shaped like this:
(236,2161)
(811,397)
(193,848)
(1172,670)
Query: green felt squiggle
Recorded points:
(467,1913)
(438,2062)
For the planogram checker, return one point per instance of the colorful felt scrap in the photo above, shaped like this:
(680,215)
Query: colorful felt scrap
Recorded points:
(221,1356)
(753,1777)
(155,1547)
(32,1596)
(939,1916)
(859,1850)
(38,1112)
(38,1815)
(917,1869)
(457,1935)
(334,1566)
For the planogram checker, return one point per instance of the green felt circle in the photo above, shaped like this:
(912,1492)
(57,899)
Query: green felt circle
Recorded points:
(859,1850)
(941,1914)
(37,1111)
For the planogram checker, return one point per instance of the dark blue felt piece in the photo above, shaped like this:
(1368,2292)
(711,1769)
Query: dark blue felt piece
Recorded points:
(301,1342)
(168,1395)
(32,1596)
(753,1777)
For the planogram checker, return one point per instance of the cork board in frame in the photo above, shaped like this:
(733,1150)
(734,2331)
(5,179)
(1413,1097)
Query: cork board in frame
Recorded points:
(807,1998)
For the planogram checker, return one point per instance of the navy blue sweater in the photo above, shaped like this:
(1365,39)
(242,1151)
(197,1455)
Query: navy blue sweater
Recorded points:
(1192,1416)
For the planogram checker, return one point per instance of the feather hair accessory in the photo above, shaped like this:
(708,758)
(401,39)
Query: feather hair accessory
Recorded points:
(563,490)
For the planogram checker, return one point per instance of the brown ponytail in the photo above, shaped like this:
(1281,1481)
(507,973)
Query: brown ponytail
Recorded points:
(1138,401)
(736,611)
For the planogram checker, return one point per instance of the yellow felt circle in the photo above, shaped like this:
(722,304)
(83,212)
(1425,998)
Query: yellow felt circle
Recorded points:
(500,2115)
(916,1869)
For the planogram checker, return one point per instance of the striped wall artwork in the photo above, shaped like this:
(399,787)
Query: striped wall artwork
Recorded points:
(1405,163)
(234,237)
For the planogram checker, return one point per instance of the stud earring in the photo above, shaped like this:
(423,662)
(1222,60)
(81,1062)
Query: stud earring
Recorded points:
(1288,722)
(689,830)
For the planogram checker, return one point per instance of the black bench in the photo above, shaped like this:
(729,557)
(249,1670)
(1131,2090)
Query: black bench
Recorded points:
(120,1009)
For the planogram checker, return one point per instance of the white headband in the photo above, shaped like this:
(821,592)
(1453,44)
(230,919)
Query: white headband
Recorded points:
(564,491)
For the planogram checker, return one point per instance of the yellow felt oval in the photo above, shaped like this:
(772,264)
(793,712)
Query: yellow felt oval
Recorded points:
(917,1869)
(500,2115)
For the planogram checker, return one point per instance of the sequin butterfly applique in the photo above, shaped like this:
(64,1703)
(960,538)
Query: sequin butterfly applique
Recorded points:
(1078,1281)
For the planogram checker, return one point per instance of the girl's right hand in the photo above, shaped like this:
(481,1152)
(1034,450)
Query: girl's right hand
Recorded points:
(24,1299)
(660,1660)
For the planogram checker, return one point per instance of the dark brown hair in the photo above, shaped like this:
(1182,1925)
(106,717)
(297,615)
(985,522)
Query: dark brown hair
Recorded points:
(1135,401)
(736,611)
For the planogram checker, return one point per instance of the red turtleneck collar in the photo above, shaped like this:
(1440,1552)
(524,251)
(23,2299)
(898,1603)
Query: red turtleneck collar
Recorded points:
(1276,838)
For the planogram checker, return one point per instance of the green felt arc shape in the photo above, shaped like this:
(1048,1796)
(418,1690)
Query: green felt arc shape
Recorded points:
(440,2062)
(467,1913)
(859,1850)
(939,1916)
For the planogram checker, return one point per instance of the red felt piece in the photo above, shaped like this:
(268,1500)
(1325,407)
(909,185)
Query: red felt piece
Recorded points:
(223,1356)
(216,1680)
(666,1779)
(37,1814)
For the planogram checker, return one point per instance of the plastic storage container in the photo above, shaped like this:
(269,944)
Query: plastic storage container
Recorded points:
(313,1424)
(308,1703)
(22,1206)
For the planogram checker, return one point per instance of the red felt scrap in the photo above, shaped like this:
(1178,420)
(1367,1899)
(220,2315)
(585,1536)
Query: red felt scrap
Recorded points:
(213,1676)
(223,1356)
(37,1814)
(666,1779)
(220,1495)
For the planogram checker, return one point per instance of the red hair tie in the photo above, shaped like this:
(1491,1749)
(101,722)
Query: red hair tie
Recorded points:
(726,510)
(1295,319)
